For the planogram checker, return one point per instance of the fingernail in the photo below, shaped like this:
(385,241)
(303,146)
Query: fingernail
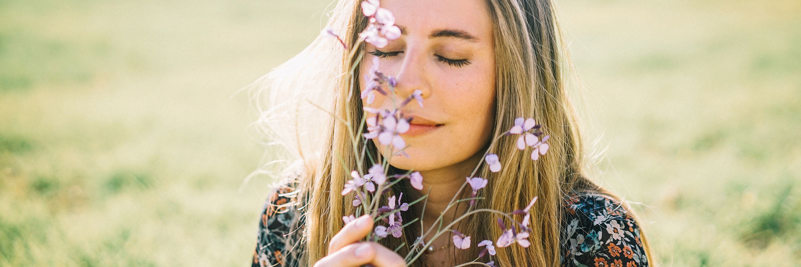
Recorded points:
(362,251)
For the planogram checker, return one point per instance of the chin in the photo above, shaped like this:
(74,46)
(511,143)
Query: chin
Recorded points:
(415,161)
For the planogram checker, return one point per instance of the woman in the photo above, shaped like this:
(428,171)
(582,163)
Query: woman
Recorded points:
(477,65)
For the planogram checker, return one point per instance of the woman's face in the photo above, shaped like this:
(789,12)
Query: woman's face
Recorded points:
(446,51)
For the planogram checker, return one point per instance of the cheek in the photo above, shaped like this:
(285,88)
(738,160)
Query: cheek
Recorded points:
(473,96)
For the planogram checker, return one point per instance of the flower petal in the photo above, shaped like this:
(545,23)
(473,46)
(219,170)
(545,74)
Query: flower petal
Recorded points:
(381,231)
(506,239)
(377,174)
(385,138)
(369,186)
(530,123)
(477,183)
(383,16)
(493,162)
(543,148)
(403,126)
(416,180)
(418,95)
(390,123)
(461,242)
(531,204)
(396,231)
(491,158)
(369,7)
(391,32)
(531,139)
(535,155)
(398,143)
(348,218)
(521,143)
(517,129)
(377,41)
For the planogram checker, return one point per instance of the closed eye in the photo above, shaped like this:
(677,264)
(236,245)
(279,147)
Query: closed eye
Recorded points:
(454,62)
(382,54)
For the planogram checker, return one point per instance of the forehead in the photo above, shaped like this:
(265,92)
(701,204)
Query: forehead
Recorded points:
(420,17)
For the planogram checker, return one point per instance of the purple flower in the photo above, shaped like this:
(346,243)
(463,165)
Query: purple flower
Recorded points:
(506,239)
(489,247)
(460,240)
(354,183)
(357,201)
(524,225)
(384,17)
(396,230)
(369,7)
(522,125)
(530,138)
(417,180)
(382,24)
(389,129)
(348,218)
(374,81)
(395,224)
(381,231)
(509,237)
(416,95)
(493,162)
(376,174)
(522,239)
(373,36)
(476,183)
(530,205)
(393,127)
(541,148)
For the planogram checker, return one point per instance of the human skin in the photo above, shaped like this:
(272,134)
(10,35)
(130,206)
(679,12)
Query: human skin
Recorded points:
(458,97)
(446,51)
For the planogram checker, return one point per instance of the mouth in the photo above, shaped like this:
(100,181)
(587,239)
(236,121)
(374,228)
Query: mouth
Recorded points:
(419,126)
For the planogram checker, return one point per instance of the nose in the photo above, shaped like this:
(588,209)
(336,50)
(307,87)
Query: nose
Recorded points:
(412,75)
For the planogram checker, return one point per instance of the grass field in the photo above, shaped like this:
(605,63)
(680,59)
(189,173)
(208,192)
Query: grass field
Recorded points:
(123,140)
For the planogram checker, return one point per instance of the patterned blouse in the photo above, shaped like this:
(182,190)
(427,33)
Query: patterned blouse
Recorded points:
(596,231)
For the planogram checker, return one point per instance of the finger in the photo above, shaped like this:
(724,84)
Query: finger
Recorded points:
(362,253)
(351,233)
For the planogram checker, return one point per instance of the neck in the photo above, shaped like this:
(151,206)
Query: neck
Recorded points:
(442,185)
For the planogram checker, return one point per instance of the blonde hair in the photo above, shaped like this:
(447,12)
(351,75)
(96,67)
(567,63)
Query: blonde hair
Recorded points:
(529,83)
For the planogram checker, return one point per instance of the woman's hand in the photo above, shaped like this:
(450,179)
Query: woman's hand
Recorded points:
(346,250)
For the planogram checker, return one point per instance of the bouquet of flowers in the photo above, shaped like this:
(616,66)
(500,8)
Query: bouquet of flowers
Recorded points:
(371,185)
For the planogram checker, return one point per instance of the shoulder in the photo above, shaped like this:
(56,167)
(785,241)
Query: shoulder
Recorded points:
(278,215)
(597,230)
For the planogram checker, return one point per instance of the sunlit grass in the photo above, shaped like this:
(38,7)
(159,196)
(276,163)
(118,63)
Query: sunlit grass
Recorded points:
(123,141)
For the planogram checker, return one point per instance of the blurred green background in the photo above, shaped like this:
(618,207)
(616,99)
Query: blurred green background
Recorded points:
(123,140)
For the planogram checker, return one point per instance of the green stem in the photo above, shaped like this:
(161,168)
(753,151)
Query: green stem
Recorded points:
(439,233)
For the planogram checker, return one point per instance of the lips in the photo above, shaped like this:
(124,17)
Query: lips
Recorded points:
(420,125)
(420,121)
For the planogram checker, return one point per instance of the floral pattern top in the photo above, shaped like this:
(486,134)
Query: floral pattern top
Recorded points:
(596,231)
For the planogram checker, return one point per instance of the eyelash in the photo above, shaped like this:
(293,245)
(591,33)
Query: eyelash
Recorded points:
(453,62)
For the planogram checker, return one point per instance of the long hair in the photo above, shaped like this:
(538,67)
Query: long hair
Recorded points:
(529,83)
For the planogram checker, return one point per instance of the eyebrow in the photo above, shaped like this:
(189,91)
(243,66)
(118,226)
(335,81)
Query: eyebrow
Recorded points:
(444,33)
(453,33)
